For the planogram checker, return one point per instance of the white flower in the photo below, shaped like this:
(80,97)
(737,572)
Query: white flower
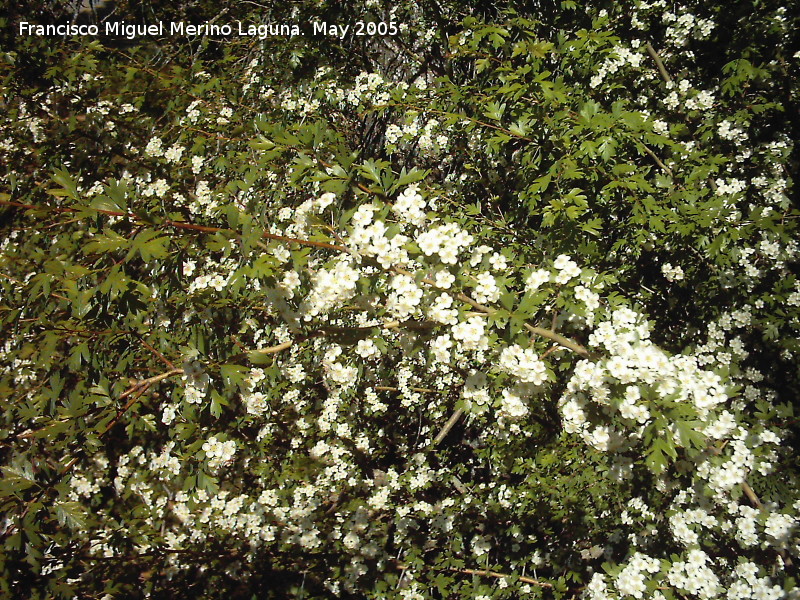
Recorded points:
(367,349)
(470,332)
(672,273)
(174,154)
(486,290)
(512,406)
(523,364)
(567,268)
(324,201)
(154,147)
(536,279)
(481,545)
(410,206)
(444,279)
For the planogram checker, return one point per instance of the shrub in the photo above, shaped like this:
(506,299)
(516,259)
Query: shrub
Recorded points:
(502,305)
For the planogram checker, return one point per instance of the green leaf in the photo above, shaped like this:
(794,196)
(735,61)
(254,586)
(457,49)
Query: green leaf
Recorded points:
(151,245)
(233,375)
(257,357)
(67,182)
(494,111)
(71,514)
(407,177)
(372,170)
(15,479)
(109,241)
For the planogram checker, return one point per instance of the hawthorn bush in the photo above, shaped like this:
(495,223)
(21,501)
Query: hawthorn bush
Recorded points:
(504,305)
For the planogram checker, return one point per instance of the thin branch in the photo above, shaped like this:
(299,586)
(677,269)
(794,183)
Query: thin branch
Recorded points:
(178,224)
(652,52)
(69,209)
(540,331)
(21,284)
(448,426)
(485,573)
(751,495)
(360,186)
(386,388)
(754,500)
(657,160)
(32,433)
(291,240)
(559,339)
(460,116)
(163,358)
(150,381)
(276,349)
(331,330)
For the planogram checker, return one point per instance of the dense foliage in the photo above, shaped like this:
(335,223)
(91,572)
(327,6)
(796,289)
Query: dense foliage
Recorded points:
(503,305)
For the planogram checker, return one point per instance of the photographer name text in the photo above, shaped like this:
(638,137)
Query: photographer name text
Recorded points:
(132,31)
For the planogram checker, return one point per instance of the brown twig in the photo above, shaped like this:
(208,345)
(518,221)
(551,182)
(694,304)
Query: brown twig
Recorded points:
(652,52)
(179,225)
(751,495)
(18,282)
(657,160)
(485,573)
(386,388)
(462,117)
(275,349)
(163,358)
(448,426)
(559,339)
(148,382)
(756,502)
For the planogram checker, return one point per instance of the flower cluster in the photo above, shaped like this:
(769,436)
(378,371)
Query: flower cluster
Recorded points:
(218,453)
(524,364)
(633,380)
(446,241)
